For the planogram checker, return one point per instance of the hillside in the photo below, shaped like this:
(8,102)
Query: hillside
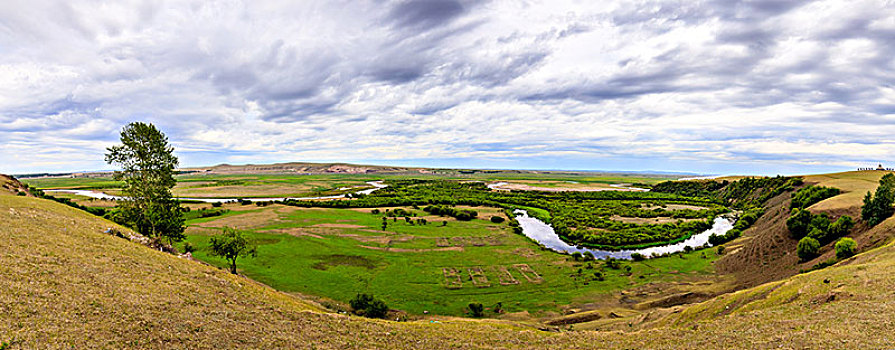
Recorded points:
(766,252)
(67,284)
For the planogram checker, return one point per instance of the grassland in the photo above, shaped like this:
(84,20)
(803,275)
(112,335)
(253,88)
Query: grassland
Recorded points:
(68,285)
(300,185)
(336,253)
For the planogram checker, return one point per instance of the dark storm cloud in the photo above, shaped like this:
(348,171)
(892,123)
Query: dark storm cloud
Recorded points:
(422,14)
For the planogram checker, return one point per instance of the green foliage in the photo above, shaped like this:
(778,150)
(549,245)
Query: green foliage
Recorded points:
(204,213)
(147,162)
(497,219)
(845,248)
(743,193)
(808,195)
(368,306)
(637,257)
(459,214)
(188,247)
(878,207)
(231,244)
(217,204)
(798,223)
(476,309)
(807,248)
(583,218)
(720,250)
(842,226)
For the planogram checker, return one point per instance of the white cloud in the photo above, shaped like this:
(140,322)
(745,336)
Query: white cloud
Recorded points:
(713,85)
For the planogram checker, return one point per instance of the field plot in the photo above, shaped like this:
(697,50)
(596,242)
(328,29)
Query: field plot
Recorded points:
(452,279)
(477,276)
(337,253)
(529,273)
(504,275)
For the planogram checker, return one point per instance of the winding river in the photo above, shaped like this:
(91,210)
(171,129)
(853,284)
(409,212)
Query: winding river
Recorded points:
(100,195)
(544,234)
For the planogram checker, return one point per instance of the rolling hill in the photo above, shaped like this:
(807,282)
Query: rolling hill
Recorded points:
(68,284)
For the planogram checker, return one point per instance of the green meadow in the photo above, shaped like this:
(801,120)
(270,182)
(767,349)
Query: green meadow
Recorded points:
(434,268)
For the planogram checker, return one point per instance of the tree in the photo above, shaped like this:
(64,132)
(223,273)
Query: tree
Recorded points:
(879,206)
(232,244)
(798,223)
(147,164)
(845,248)
(807,248)
(476,309)
(368,306)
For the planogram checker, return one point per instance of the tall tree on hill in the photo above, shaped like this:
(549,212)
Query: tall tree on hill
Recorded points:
(879,206)
(147,164)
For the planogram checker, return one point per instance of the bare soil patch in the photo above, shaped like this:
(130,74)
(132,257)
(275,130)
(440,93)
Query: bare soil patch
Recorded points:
(339,225)
(648,221)
(408,250)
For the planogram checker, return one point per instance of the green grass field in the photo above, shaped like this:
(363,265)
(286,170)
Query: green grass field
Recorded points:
(337,253)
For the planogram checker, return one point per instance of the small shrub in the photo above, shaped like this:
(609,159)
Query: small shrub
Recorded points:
(476,309)
(612,263)
(497,219)
(807,248)
(374,211)
(368,306)
(576,256)
(845,248)
(637,257)
(720,250)
(217,204)
(188,247)
(20,193)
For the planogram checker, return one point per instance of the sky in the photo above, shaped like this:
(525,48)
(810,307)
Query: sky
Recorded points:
(709,87)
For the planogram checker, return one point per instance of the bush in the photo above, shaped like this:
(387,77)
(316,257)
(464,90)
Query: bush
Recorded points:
(476,309)
(798,223)
(612,263)
(845,248)
(637,257)
(842,226)
(188,247)
(497,219)
(368,306)
(217,204)
(720,250)
(809,195)
(807,248)
(374,211)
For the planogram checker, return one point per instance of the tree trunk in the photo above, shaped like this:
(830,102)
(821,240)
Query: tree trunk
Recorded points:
(233,267)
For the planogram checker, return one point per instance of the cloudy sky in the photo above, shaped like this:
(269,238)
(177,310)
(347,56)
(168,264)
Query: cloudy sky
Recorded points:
(752,87)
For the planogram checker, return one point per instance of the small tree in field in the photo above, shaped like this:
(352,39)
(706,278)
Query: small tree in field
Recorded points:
(231,244)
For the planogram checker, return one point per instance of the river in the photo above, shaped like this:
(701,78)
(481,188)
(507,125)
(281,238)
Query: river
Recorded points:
(544,234)
(100,195)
